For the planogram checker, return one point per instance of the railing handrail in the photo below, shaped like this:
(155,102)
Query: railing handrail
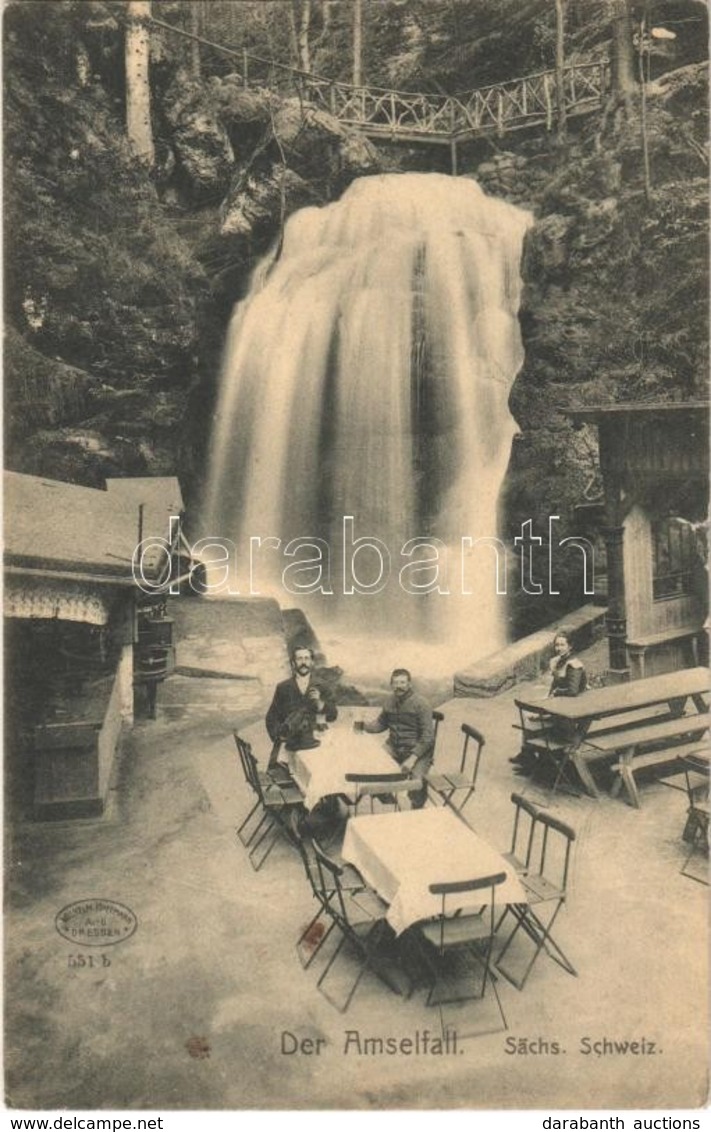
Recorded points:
(458,101)
(311,76)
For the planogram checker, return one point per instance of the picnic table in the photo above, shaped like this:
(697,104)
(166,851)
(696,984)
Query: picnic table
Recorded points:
(616,720)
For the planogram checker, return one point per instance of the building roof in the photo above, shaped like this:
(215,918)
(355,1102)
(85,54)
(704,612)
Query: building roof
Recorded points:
(160,497)
(85,532)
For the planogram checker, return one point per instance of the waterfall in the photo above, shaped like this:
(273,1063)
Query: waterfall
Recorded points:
(367,374)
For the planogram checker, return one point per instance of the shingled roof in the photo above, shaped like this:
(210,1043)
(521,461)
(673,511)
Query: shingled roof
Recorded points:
(82,531)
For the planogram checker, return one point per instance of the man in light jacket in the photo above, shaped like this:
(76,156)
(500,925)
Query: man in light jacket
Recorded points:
(408,718)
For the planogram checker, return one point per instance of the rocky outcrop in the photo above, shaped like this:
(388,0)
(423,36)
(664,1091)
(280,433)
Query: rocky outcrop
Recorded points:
(614,303)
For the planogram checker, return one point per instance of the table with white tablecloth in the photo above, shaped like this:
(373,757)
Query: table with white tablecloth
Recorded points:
(322,771)
(401,854)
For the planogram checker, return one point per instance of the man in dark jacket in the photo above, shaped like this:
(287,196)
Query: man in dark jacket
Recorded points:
(297,693)
(408,718)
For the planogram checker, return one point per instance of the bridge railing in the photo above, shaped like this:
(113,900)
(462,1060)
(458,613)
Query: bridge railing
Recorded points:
(531,99)
(498,107)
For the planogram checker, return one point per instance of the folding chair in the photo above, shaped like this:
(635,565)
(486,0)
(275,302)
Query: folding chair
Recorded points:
(316,933)
(545,747)
(359,918)
(274,805)
(696,829)
(526,814)
(451,783)
(388,788)
(545,884)
(458,935)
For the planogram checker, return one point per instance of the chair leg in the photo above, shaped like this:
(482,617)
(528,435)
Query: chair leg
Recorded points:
(368,962)
(243,825)
(306,936)
(322,977)
(273,828)
(540,935)
(488,978)
(696,834)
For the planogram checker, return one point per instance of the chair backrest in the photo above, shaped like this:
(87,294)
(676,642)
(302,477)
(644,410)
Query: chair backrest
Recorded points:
(472,752)
(328,885)
(532,811)
(456,888)
(374,786)
(696,774)
(307,850)
(250,767)
(437,718)
(553,867)
(245,753)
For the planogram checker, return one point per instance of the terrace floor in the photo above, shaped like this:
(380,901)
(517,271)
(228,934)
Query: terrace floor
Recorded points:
(191,1011)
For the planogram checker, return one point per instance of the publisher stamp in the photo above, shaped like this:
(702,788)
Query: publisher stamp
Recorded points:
(95,922)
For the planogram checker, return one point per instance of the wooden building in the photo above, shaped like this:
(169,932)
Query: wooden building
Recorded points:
(73,640)
(654,460)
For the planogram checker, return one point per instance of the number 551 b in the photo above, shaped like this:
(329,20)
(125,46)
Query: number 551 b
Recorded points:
(88,961)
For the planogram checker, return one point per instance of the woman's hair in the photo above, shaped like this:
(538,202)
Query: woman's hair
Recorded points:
(565,635)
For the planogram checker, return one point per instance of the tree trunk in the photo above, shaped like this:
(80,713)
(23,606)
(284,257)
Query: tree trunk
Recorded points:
(194,29)
(560,68)
(357,42)
(622,48)
(301,24)
(138,93)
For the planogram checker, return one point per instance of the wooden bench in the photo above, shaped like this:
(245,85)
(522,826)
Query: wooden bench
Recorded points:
(638,648)
(630,744)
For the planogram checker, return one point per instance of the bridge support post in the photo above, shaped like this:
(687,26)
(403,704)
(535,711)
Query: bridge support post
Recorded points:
(453,152)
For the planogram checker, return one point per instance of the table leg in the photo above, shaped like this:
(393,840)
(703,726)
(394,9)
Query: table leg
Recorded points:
(584,774)
(575,756)
(626,775)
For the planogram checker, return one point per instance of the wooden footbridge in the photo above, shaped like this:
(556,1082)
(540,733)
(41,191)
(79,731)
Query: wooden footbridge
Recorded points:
(437,119)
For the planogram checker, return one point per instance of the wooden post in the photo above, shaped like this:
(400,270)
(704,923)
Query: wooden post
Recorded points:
(453,148)
(612,441)
(615,619)
(392,110)
(500,113)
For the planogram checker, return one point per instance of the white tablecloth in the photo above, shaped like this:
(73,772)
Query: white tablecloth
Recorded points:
(322,771)
(401,854)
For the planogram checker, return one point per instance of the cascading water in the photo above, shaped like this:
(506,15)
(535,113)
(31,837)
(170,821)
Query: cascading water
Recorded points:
(367,374)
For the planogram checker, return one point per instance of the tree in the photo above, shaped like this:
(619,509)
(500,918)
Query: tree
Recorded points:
(194,29)
(138,93)
(623,81)
(560,67)
(357,42)
(300,18)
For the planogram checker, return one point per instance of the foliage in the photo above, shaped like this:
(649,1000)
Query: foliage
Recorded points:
(89,244)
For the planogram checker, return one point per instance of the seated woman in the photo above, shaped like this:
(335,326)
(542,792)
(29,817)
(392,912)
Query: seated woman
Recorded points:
(569,677)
